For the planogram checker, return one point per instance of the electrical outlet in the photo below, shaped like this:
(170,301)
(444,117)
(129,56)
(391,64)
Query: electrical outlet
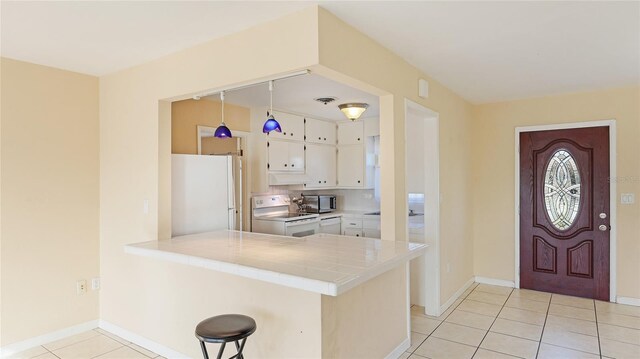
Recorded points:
(81,287)
(627,198)
(95,283)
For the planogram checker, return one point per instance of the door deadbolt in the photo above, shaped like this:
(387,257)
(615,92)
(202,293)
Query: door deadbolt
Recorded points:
(602,227)
(603,215)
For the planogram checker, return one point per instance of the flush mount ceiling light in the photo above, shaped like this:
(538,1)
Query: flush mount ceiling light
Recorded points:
(271,124)
(353,111)
(222,131)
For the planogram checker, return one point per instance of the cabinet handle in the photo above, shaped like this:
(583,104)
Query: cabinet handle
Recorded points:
(358,181)
(325,138)
(319,181)
(285,133)
(291,133)
(358,138)
(325,181)
(319,138)
(292,165)
(357,234)
(286,166)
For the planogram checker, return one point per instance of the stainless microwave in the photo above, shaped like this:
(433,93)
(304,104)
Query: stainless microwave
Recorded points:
(320,203)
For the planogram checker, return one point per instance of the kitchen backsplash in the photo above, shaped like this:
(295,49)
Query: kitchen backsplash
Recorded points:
(348,199)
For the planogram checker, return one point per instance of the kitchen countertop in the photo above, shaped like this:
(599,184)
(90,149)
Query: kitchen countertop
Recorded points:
(322,263)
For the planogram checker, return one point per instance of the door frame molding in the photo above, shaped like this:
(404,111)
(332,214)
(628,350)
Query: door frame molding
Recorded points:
(612,193)
(430,277)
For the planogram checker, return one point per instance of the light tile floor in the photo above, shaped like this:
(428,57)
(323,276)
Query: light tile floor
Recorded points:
(95,343)
(486,322)
(498,322)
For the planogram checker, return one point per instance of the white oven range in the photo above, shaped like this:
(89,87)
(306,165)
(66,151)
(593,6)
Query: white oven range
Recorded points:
(270,214)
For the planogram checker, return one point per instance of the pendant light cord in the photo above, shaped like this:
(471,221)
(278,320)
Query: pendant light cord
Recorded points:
(222,101)
(271,97)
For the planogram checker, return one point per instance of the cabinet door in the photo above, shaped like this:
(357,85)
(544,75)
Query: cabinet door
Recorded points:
(321,166)
(318,131)
(352,232)
(351,166)
(371,233)
(315,167)
(296,156)
(292,126)
(278,155)
(351,133)
(329,160)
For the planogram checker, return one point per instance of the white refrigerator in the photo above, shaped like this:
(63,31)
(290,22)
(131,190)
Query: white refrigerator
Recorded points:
(202,194)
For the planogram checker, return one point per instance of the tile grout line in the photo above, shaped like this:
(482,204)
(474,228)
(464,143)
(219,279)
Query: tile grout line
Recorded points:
(544,325)
(436,328)
(595,314)
(492,323)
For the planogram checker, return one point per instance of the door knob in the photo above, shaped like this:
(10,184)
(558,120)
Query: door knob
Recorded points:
(603,227)
(603,215)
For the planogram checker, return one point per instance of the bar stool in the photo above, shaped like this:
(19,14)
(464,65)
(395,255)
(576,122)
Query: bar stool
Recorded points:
(224,329)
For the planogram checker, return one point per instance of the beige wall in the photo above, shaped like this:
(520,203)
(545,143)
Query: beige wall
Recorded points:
(188,114)
(49,192)
(355,326)
(134,150)
(395,79)
(494,179)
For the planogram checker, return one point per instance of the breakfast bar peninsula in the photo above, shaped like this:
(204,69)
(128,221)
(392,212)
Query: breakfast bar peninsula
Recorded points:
(321,296)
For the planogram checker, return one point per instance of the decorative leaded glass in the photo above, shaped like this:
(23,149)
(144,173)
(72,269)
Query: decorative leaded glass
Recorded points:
(562,189)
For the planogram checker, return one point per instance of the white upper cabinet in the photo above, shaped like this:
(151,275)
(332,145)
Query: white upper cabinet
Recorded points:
(351,171)
(285,156)
(318,131)
(321,166)
(292,126)
(351,133)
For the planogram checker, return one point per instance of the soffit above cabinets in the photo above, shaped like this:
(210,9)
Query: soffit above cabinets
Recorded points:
(298,94)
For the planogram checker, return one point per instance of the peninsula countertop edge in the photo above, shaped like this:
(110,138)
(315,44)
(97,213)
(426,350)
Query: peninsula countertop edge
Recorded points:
(322,263)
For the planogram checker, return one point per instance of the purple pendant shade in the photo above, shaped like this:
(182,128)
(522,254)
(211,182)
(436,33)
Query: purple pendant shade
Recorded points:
(271,125)
(222,131)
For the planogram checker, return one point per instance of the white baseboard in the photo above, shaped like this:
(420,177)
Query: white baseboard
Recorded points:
(47,338)
(628,301)
(455,296)
(141,341)
(498,282)
(397,352)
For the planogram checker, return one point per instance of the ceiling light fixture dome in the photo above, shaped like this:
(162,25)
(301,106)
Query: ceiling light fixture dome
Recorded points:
(354,110)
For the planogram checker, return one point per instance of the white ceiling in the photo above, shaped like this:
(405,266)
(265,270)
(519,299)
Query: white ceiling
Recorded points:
(484,51)
(297,95)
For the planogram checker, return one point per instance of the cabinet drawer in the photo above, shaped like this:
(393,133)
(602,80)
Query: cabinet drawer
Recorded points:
(371,223)
(351,223)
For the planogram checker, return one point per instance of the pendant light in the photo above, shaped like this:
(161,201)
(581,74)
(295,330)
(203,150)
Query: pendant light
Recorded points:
(353,111)
(222,131)
(271,124)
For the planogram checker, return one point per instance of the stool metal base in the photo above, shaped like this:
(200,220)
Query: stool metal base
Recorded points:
(239,348)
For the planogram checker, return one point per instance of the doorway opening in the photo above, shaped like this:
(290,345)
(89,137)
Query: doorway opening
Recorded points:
(423,193)
(565,238)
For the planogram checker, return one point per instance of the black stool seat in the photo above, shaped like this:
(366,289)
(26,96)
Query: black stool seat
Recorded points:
(223,329)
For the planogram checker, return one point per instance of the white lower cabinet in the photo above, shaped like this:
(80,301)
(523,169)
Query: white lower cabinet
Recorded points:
(352,232)
(359,227)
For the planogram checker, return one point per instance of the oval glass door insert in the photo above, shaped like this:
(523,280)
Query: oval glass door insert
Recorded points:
(562,189)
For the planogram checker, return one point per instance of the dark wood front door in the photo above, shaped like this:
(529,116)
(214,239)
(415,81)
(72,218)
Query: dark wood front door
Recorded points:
(564,211)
